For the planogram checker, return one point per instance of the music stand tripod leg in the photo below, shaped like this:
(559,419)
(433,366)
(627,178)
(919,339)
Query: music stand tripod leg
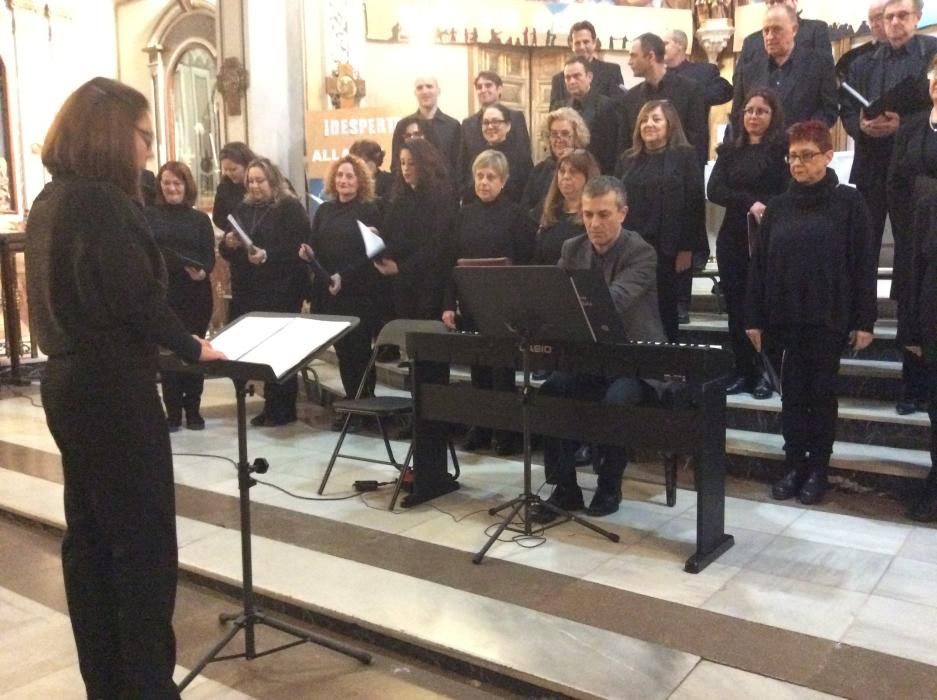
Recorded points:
(528,498)
(250,616)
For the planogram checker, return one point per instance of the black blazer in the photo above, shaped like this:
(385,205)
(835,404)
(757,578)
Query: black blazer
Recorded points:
(808,92)
(917,322)
(716,89)
(606,80)
(812,34)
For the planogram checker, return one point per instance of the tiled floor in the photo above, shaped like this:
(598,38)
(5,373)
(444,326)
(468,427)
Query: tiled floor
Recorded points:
(831,577)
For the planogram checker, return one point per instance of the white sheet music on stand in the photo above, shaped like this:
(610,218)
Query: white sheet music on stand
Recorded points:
(373,244)
(278,342)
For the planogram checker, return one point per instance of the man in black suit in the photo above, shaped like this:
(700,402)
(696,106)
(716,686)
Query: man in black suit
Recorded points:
(606,77)
(446,129)
(716,89)
(900,55)
(803,78)
(488,91)
(812,34)
(597,111)
(686,96)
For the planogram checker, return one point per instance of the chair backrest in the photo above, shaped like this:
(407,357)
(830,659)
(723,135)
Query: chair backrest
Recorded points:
(395,332)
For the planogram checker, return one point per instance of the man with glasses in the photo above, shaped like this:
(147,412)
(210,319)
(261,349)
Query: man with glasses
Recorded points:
(446,130)
(647,61)
(812,34)
(597,111)
(901,55)
(488,91)
(802,78)
(606,79)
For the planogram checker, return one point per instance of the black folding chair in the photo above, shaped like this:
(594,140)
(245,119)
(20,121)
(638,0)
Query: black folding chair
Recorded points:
(380,408)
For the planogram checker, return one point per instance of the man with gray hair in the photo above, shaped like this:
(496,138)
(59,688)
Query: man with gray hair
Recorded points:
(629,266)
(812,34)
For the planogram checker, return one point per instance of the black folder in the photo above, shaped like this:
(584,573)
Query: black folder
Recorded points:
(909,95)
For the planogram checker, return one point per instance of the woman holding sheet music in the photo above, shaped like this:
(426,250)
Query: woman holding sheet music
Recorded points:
(187,240)
(749,171)
(351,288)
(267,275)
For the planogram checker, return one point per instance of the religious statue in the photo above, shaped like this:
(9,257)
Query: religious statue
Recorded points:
(232,82)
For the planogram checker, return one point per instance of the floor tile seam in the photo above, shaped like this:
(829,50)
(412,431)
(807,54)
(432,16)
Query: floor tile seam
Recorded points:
(897,599)
(690,651)
(786,533)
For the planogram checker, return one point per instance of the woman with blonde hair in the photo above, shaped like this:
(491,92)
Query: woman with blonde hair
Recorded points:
(666,200)
(352,286)
(564,130)
(268,276)
(97,291)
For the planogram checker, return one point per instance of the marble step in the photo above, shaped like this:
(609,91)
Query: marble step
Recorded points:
(862,421)
(849,456)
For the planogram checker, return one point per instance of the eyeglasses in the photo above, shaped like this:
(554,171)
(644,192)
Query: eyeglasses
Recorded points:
(492,122)
(557,135)
(901,16)
(146,135)
(757,112)
(800,157)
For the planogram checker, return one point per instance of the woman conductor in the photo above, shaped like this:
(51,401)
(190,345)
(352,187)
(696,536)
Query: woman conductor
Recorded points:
(97,288)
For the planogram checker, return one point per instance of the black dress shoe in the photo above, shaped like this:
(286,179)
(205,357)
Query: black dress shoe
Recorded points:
(563,497)
(762,389)
(739,385)
(789,485)
(905,407)
(604,502)
(476,439)
(276,422)
(194,420)
(813,489)
(259,420)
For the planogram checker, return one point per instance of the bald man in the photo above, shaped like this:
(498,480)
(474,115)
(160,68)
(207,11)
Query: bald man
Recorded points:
(812,34)
(446,130)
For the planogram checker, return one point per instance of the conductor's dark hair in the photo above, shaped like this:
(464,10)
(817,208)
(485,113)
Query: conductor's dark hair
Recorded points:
(181,171)
(579,26)
(651,43)
(94,135)
(237,152)
(602,185)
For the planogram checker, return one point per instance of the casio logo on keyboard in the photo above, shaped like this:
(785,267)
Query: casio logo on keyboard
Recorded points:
(540,349)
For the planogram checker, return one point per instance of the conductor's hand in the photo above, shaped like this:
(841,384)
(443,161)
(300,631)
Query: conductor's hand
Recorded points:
(195,273)
(386,266)
(209,354)
(860,340)
(335,284)
(257,256)
(306,252)
(448,317)
(232,240)
(754,335)
(684,261)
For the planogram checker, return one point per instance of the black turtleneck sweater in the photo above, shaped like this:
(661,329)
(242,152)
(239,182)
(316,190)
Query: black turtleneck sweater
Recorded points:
(497,229)
(185,237)
(550,239)
(228,197)
(339,247)
(814,263)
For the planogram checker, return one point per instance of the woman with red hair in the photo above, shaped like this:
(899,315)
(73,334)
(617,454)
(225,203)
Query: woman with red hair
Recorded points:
(811,285)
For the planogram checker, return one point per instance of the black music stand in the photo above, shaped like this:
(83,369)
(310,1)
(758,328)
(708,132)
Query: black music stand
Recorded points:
(240,372)
(531,304)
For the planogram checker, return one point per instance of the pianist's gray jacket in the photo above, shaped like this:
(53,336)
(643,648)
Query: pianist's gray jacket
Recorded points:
(630,270)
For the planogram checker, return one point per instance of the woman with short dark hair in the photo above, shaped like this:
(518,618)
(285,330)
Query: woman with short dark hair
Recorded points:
(748,172)
(268,276)
(234,158)
(96,284)
(811,287)
(496,126)
(187,240)
(373,156)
